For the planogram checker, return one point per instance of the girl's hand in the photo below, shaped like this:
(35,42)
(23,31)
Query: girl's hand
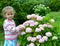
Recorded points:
(21,27)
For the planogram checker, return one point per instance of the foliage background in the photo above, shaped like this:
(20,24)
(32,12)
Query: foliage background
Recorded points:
(24,7)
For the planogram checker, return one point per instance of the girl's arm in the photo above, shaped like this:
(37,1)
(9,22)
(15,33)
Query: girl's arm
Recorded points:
(11,28)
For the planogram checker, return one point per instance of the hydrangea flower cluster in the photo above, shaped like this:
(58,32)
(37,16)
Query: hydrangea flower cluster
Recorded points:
(36,31)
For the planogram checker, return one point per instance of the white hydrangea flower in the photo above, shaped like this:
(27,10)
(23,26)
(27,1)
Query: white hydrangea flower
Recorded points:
(38,37)
(49,26)
(42,28)
(45,38)
(33,16)
(39,18)
(22,33)
(52,20)
(45,25)
(54,38)
(31,44)
(48,34)
(41,40)
(40,25)
(28,16)
(33,39)
(28,30)
(36,23)
(37,30)
(29,38)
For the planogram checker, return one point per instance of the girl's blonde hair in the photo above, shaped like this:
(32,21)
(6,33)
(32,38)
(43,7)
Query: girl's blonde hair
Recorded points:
(4,10)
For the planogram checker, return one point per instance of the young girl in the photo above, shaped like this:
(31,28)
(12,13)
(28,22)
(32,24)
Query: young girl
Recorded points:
(10,29)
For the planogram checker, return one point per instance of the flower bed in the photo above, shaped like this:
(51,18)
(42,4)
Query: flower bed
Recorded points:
(38,32)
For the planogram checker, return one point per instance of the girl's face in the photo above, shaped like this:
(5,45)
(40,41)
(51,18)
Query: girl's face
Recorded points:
(9,14)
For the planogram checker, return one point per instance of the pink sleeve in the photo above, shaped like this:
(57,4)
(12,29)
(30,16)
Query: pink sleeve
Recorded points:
(11,27)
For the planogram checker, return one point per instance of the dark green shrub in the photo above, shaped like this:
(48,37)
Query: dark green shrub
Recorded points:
(26,8)
(1,24)
(30,1)
(53,4)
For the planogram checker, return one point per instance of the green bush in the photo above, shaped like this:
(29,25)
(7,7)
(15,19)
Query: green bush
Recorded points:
(1,24)
(30,1)
(53,4)
(26,8)
(41,9)
(32,30)
(56,17)
(56,31)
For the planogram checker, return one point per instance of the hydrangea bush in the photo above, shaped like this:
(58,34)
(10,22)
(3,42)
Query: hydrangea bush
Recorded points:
(41,9)
(38,32)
